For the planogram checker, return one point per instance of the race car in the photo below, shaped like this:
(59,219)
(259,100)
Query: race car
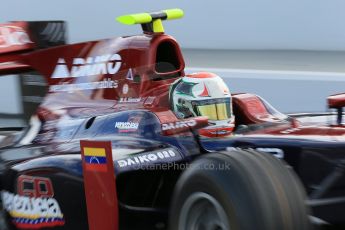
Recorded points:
(118,142)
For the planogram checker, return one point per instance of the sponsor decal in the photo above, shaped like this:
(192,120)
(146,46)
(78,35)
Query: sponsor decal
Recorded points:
(32,212)
(90,66)
(34,186)
(125,89)
(131,125)
(130,99)
(149,100)
(129,75)
(279,153)
(148,158)
(128,126)
(105,84)
(13,36)
(220,132)
(179,124)
(34,206)
(95,159)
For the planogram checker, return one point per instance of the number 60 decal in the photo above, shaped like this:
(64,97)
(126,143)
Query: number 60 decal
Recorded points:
(34,186)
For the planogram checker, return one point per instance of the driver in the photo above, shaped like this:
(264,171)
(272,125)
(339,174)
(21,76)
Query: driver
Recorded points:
(204,94)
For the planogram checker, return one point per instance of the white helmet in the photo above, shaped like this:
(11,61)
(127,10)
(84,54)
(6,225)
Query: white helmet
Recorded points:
(204,94)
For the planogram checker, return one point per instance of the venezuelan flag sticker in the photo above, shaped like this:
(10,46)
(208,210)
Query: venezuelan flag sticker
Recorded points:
(95,159)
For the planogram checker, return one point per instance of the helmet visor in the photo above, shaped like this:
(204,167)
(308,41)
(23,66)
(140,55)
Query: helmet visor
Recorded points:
(214,109)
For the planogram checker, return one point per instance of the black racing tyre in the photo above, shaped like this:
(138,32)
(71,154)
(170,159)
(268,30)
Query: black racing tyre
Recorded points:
(240,190)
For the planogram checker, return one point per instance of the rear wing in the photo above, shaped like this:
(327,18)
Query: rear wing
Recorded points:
(17,38)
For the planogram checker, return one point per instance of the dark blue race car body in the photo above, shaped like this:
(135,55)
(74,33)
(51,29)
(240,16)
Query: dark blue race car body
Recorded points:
(41,166)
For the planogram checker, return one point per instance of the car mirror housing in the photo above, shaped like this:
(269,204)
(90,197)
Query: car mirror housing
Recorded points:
(337,101)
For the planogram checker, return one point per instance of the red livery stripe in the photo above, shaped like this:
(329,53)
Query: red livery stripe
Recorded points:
(96,167)
(39,225)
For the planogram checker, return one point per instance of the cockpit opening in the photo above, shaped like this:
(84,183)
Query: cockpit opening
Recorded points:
(167,59)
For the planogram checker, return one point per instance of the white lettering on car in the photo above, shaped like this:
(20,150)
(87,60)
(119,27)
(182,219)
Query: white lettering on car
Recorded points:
(89,66)
(105,84)
(32,211)
(151,157)
(130,99)
(127,125)
(12,36)
(178,124)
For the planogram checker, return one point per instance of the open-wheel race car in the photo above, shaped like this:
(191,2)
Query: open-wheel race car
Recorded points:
(124,139)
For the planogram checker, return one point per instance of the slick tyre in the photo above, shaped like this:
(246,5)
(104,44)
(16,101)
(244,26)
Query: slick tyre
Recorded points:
(240,190)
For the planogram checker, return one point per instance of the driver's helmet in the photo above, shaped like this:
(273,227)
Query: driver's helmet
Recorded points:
(204,94)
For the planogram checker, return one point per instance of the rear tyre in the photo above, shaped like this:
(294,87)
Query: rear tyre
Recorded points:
(241,189)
